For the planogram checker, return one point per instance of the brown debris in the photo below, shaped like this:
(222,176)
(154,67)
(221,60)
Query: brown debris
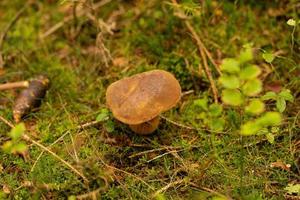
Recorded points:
(30,97)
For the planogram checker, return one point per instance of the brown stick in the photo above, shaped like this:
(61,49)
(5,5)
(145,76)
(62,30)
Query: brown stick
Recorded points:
(203,52)
(171,184)
(13,85)
(28,139)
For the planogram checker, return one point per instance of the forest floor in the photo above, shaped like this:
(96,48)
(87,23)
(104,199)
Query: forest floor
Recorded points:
(84,46)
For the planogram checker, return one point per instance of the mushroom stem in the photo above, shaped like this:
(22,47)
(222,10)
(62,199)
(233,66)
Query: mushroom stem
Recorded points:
(147,127)
(13,85)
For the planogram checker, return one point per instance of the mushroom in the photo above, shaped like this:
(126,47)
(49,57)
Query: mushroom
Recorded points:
(138,100)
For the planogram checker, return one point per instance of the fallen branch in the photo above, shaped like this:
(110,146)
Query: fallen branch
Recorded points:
(28,139)
(203,53)
(172,184)
(125,172)
(190,127)
(14,85)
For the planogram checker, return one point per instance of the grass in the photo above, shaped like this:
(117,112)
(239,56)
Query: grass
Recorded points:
(185,164)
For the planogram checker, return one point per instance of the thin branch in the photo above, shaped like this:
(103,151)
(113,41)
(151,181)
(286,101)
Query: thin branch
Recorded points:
(172,184)
(8,123)
(88,124)
(125,172)
(28,139)
(202,47)
(40,155)
(152,150)
(178,124)
(190,127)
(14,85)
(203,52)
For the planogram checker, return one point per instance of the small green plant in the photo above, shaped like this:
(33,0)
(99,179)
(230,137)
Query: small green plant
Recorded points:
(15,145)
(241,90)
(210,115)
(281,98)
(105,116)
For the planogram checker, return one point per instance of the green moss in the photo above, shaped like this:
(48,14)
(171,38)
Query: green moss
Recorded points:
(148,36)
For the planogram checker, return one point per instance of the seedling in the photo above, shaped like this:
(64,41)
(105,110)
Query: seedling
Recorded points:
(241,90)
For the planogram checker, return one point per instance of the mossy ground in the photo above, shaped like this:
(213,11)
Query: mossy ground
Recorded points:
(145,35)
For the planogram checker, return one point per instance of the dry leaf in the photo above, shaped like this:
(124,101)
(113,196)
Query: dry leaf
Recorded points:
(6,189)
(281,165)
(120,62)
(274,86)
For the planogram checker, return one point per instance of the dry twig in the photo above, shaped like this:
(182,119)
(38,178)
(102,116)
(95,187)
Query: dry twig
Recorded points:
(125,172)
(14,85)
(172,184)
(203,52)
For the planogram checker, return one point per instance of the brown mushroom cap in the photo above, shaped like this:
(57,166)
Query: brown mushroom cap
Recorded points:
(143,96)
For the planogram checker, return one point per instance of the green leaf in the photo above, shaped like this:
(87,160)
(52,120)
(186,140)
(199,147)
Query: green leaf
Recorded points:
(72,197)
(215,110)
(293,188)
(219,198)
(269,119)
(286,94)
(217,124)
(19,147)
(160,197)
(7,146)
(255,107)
(2,195)
(269,95)
(17,131)
(232,97)
(250,128)
(246,55)
(250,72)
(103,115)
(229,81)
(280,104)
(230,65)
(201,103)
(109,126)
(268,57)
(252,87)
(270,137)
(291,22)
(263,131)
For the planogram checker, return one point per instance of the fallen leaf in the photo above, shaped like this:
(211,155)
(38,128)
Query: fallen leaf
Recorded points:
(6,189)
(120,62)
(281,165)
(274,86)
